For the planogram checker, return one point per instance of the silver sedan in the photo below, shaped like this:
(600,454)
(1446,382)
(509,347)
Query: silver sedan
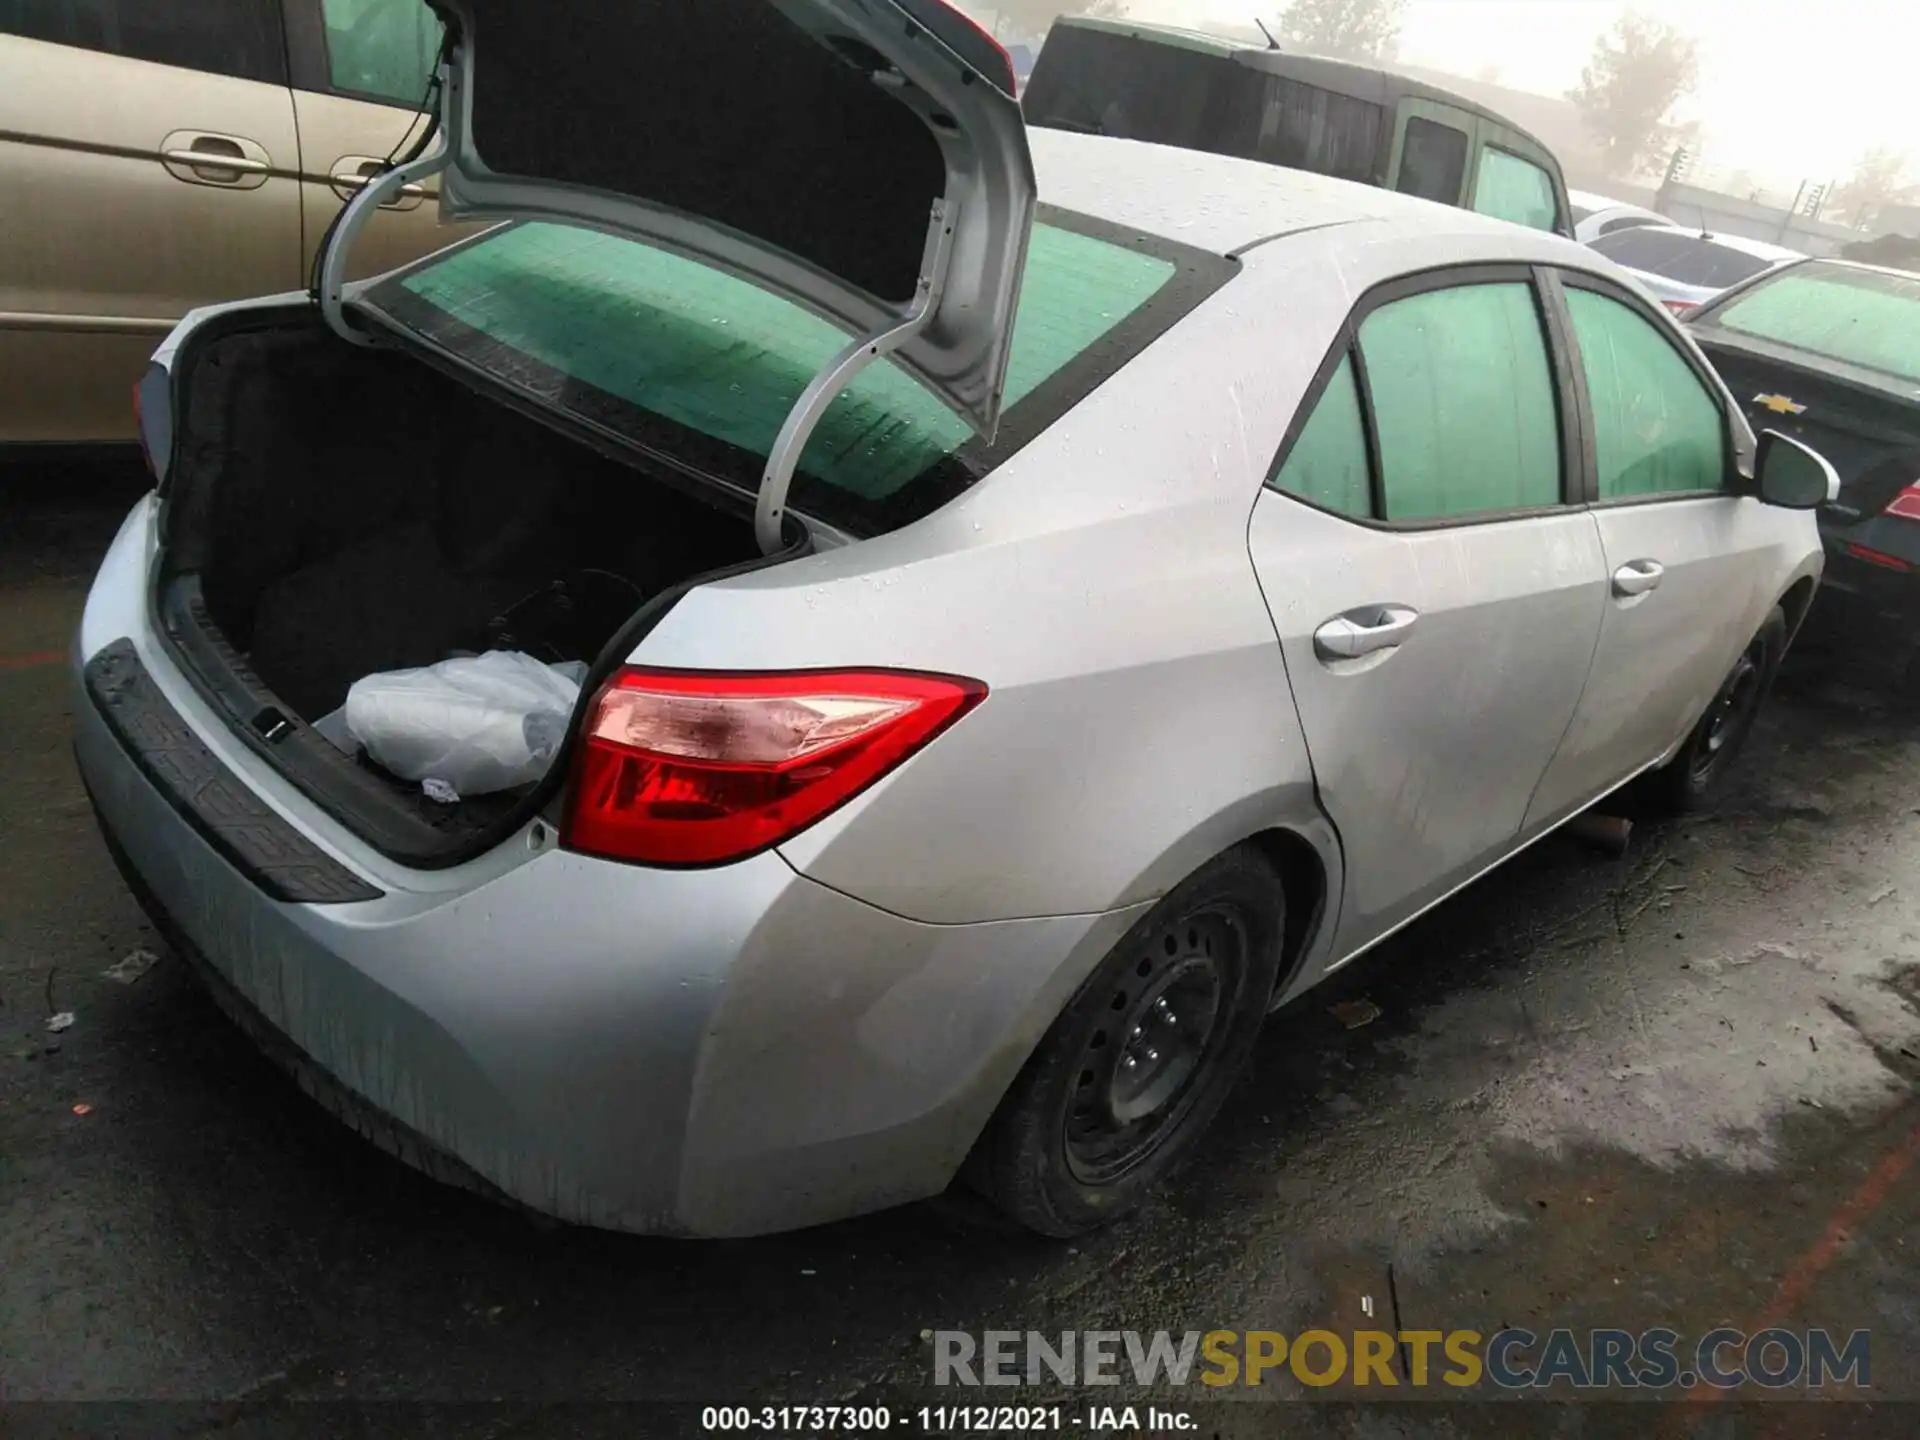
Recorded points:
(1043,610)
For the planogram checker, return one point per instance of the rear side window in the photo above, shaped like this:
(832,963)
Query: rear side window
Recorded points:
(680,357)
(1463,402)
(1433,161)
(382,48)
(1327,465)
(1867,318)
(1514,189)
(1307,128)
(234,37)
(1657,428)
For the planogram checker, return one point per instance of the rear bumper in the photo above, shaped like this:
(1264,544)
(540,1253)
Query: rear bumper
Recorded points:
(1863,600)
(718,1052)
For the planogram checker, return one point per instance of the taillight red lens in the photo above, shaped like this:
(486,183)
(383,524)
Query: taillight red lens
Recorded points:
(1681,308)
(1906,505)
(697,768)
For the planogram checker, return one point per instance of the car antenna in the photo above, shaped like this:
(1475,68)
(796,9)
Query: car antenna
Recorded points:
(1272,44)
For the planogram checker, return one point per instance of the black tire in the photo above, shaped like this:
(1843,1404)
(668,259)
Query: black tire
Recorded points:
(1083,1134)
(1693,778)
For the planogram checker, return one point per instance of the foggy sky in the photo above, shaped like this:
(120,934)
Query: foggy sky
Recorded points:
(1787,90)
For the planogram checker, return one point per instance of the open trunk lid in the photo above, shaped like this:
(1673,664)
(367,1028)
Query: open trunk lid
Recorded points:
(864,158)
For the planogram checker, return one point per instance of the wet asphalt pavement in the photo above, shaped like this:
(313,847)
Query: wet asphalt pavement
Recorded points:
(1674,1089)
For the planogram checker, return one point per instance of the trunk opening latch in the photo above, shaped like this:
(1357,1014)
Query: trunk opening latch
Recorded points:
(770,511)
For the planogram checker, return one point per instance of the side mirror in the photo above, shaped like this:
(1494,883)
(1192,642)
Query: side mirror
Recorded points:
(1793,476)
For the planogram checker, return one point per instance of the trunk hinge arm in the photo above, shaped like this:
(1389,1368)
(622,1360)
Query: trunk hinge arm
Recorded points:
(769,515)
(361,209)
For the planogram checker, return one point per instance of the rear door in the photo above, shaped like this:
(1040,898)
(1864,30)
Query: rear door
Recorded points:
(1687,581)
(361,70)
(147,155)
(1436,595)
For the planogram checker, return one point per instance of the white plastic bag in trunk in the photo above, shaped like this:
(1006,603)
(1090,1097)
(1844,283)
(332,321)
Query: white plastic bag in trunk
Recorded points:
(475,725)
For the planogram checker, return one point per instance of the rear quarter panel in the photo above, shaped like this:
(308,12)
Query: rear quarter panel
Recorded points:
(1139,719)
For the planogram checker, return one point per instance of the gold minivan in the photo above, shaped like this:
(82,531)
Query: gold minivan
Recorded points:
(158,157)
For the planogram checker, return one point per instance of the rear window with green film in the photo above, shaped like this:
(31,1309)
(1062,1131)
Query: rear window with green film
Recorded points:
(682,357)
(1859,317)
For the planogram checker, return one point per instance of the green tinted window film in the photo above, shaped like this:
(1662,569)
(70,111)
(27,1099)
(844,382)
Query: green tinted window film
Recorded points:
(728,360)
(381,47)
(1462,402)
(1514,189)
(1657,429)
(1861,317)
(1328,463)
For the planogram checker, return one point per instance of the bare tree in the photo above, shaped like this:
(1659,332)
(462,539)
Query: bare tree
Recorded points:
(1639,71)
(1345,29)
(1883,177)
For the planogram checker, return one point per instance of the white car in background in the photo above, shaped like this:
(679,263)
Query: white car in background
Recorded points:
(1683,268)
(1597,215)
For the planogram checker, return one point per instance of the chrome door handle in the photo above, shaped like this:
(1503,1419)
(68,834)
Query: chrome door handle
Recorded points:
(1364,632)
(214,160)
(1637,577)
(360,182)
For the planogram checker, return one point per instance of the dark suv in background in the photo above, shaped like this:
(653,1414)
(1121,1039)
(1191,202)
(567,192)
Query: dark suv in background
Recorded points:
(1202,92)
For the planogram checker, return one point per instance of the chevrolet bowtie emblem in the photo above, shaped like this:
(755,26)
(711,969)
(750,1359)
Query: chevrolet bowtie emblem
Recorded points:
(1779,404)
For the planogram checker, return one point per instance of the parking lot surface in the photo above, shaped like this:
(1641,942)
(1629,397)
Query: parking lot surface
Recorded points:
(1671,1089)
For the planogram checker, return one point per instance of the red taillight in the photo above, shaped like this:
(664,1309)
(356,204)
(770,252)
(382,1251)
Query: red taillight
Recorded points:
(697,768)
(1875,557)
(1906,505)
(1681,308)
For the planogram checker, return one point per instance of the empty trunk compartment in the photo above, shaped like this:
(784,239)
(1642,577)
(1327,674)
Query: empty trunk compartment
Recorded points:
(335,511)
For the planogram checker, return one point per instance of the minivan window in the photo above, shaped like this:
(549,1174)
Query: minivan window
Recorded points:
(1103,84)
(1657,428)
(1869,318)
(1463,402)
(682,358)
(1307,128)
(1433,161)
(235,37)
(382,48)
(1513,189)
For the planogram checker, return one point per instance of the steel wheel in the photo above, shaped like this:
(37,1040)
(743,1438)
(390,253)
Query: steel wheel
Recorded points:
(1732,711)
(1139,1073)
(1124,1083)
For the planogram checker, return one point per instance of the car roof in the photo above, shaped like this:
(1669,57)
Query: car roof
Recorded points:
(1356,78)
(1225,204)
(1759,249)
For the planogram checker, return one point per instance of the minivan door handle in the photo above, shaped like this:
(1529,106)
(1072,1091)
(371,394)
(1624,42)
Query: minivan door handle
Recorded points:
(353,173)
(1365,631)
(227,162)
(1637,577)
